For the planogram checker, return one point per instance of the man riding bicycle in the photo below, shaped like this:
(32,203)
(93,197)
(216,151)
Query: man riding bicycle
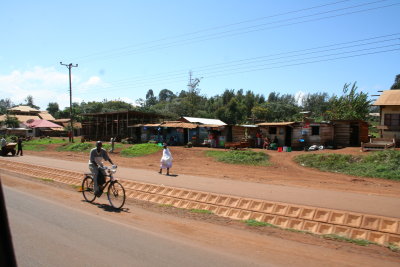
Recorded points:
(97,155)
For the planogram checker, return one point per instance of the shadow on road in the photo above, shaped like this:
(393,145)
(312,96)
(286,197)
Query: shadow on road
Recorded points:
(109,208)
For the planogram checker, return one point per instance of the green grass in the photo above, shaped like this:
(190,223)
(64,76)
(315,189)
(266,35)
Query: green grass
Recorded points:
(140,150)
(360,242)
(40,144)
(247,157)
(77,147)
(259,224)
(46,179)
(201,211)
(380,164)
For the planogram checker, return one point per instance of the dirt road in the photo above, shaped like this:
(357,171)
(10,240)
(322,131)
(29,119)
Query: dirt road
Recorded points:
(316,197)
(283,171)
(180,236)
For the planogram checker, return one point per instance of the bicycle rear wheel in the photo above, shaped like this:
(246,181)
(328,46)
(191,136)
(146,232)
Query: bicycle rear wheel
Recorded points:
(88,189)
(116,194)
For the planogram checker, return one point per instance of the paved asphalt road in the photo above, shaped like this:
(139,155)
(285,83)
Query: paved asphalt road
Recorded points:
(50,234)
(349,201)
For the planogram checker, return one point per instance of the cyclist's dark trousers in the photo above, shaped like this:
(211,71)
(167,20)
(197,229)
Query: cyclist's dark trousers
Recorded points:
(95,170)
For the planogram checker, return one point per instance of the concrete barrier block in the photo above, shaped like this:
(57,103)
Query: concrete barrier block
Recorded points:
(353,219)
(193,195)
(256,205)
(293,211)
(183,204)
(280,209)
(146,188)
(160,190)
(176,193)
(244,215)
(143,196)
(159,199)
(168,191)
(310,226)
(281,221)
(175,202)
(389,225)
(153,189)
(394,239)
(212,208)
(268,207)
(212,198)
(322,215)
(359,234)
(184,194)
(151,197)
(167,201)
(256,216)
(296,224)
(202,206)
(222,211)
(221,200)
(370,222)
(202,197)
(269,218)
(307,213)
(139,186)
(193,205)
(234,214)
(325,229)
(232,202)
(337,217)
(377,237)
(341,231)
(244,203)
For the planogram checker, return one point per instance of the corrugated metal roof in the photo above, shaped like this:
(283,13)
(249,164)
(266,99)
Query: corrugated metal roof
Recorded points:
(205,121)
(210,125)
(46,116)
(21,118)
(24,109)
(388,98)
(276,123)
(186,125)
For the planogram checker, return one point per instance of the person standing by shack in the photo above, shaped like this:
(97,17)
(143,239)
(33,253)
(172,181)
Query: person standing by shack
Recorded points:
(166,159)
(19,146)
(3,146)
(112,142)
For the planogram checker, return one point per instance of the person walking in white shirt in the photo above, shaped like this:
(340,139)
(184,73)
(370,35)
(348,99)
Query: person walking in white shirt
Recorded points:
(166,160)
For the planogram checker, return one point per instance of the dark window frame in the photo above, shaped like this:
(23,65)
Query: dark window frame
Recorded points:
(315,130)
(272,130)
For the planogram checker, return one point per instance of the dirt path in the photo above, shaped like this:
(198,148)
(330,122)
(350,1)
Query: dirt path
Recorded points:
(265,244)
(283,171)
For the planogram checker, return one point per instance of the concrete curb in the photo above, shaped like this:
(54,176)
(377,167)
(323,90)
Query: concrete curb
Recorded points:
(378,229)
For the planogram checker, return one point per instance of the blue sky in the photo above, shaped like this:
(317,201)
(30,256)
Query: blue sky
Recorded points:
(124,48)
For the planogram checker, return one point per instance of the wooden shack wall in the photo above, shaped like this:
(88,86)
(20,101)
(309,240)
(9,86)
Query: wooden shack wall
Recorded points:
(326,134)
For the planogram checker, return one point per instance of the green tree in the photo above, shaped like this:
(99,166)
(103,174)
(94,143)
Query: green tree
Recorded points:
(11,121)
(396,84)
(53,108)
(317,104)
(150,98)
(166,95)
(352,105)
(5,104)
(29,102)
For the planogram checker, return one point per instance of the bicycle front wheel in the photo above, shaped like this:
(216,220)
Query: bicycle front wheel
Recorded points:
(116,194)
(88,189)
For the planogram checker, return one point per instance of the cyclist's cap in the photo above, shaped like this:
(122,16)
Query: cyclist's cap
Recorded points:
(99,143)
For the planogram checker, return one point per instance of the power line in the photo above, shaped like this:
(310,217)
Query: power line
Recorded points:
(263,67)
(265,58)
(214,28)
(244,30)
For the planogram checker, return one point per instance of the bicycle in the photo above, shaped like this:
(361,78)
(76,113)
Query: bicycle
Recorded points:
(115,191)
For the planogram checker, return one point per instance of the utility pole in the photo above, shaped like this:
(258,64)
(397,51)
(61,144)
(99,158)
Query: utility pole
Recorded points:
(70,66)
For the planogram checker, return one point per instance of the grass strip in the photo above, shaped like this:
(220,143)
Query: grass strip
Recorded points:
(77,147)
(200,211)
(247,157)
(139,150)
(380,164)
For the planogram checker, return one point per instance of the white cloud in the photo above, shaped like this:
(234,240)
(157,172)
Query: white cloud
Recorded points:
(44,85)
(299,97)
